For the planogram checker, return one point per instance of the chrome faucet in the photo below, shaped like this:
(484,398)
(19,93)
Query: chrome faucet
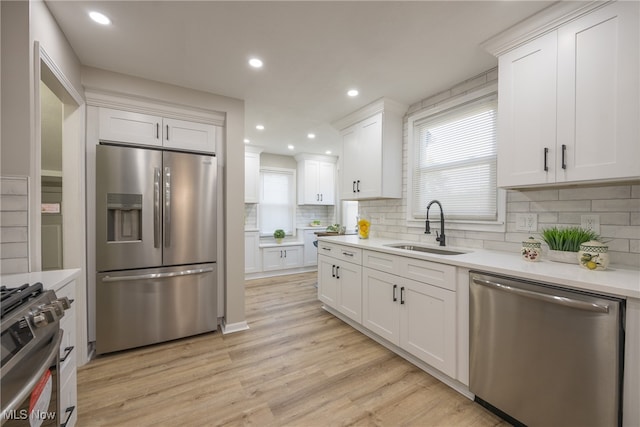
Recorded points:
(427,229)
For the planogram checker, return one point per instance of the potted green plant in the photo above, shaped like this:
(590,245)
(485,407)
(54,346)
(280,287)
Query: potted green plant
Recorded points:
(564,243)
(278,235)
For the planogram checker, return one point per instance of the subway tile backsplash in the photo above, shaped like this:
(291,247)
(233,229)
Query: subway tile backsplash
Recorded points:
(14,225)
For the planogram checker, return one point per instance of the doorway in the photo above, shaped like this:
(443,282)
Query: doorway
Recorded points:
(51,121)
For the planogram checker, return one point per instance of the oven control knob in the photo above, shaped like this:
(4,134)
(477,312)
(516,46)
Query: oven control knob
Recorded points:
(40,319)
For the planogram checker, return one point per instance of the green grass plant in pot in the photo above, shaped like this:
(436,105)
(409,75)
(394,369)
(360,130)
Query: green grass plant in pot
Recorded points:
(564,243)
(278,235)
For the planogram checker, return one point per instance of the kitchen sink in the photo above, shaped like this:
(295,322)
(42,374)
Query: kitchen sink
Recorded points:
(426,249)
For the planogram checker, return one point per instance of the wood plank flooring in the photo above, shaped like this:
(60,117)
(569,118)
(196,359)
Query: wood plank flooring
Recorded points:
(297,365)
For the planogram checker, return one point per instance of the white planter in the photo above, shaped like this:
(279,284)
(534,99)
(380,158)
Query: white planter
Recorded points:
(563,256)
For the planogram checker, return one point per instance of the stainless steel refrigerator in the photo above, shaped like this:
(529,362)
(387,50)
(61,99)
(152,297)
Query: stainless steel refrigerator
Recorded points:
(155,246)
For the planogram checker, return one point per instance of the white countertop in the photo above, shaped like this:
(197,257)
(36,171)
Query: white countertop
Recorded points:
(53,279)
(618,281)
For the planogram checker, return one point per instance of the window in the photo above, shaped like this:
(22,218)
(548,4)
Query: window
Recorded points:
(453,159)
(277,208)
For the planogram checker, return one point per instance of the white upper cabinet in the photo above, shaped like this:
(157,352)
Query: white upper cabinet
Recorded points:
(568,100)
(371,163)
(316,179)
(527,113)
(183,135)
(130,127)
(251,174)
(144,129)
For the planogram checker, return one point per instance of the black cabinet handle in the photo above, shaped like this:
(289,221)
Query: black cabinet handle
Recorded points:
(357,186)
(353,186)
(402,295)
(157,130)
(333,271)
(564,155)
(285,254)
(167,132)
(69,411)
(546,154)
(394,293)
(337,271)
(321,198)
(67,352)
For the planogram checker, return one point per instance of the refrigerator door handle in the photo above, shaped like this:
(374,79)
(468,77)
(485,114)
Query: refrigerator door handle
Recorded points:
(167,207)
(156,208)
(157,275)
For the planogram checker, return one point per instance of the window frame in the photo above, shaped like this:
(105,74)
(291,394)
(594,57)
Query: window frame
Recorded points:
(418,221)
(292,195)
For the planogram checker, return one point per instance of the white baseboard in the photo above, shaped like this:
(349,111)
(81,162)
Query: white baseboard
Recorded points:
(274,273)
(229,328)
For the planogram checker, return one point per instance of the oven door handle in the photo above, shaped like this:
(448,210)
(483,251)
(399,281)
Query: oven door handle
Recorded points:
(30,383)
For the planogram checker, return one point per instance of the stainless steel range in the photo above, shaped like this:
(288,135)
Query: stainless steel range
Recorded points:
(29,355)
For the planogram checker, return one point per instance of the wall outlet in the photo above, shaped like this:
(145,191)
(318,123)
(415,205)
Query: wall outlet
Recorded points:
(527,222)
(590,222)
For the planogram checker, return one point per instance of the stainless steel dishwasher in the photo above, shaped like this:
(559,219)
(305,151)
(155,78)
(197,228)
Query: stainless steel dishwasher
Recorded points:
(545,356)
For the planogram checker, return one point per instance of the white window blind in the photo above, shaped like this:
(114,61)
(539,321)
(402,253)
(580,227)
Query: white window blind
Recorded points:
(454,161)
(277,201)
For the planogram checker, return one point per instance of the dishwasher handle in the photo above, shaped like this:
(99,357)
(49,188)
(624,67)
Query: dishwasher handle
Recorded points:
(553,299)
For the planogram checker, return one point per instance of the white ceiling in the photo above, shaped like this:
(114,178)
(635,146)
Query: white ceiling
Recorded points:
(313,53)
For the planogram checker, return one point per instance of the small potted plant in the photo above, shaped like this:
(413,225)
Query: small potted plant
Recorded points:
(278,235)
(564,243)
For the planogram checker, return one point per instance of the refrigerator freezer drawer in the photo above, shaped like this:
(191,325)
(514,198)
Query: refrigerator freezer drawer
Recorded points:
(141,307)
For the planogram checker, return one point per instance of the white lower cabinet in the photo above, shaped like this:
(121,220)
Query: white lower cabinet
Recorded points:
(340,286)
(408,302)
(280,258)
(252,261)
(418,317)
(68,350)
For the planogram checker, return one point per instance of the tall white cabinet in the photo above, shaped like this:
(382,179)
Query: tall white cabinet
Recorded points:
(568,100)
(371,163)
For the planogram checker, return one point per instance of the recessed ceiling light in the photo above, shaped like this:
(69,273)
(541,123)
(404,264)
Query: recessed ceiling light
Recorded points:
(246,140)
(353,92)
(99,18)
(255,63)
(311,135)
(260,127)
(327,152)
(290,147)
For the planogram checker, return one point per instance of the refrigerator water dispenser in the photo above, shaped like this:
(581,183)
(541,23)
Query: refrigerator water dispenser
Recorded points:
(124,217)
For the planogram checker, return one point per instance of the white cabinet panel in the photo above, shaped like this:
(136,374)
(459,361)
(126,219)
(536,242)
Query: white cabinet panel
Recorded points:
(251,176)
(598,94)
(252,261)
(527,113)
(428,324)
(380,304)
(316,179)
(184,135)
(129,127)
(340,286)
(281,257)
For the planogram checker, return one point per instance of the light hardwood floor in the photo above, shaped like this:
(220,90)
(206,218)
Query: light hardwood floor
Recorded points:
(297,365)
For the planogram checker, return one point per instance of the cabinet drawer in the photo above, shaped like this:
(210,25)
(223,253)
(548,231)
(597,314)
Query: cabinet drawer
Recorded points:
(443,276)
(341,252)
(381,261)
